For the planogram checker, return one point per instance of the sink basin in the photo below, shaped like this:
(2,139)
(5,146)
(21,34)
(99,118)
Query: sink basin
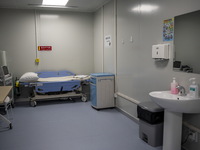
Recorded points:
(174,106)
(176,103)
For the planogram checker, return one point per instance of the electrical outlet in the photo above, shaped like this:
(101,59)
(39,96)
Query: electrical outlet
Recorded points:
(193,136)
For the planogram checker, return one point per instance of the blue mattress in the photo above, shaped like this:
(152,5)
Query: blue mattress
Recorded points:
(54,87)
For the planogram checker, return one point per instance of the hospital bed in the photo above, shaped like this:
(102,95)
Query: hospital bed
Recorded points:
(51,85)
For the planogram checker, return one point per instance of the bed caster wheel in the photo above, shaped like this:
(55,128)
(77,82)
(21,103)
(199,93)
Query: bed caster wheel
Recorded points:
(84,98)
(10,126)
(33,103)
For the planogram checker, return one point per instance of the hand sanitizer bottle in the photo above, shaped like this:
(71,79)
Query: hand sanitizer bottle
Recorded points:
(174,84)
(193,89)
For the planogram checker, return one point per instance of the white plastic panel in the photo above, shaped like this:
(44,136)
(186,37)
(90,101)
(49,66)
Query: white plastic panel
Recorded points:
(160,51)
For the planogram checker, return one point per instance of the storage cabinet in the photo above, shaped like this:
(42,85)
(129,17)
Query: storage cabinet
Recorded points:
(102,90)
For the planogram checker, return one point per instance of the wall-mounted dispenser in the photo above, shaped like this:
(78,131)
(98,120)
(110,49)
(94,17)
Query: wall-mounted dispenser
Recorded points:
(160,51)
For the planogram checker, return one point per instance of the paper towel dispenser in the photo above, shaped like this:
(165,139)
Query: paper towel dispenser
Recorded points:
(160,51)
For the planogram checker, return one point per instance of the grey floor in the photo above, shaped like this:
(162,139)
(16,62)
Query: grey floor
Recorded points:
(61,125)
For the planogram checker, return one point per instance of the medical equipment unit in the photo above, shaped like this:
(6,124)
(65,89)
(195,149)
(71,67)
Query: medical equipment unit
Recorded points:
(102,90)
(6,79)
(5,76)
(52,85)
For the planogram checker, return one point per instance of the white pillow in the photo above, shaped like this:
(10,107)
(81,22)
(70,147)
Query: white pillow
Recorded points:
(29,77)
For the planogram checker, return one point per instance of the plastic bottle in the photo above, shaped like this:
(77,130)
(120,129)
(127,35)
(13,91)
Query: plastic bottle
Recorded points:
(193,89)
(174,84)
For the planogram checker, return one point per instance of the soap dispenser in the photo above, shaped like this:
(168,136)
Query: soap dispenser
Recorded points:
(174,84)
(193,89)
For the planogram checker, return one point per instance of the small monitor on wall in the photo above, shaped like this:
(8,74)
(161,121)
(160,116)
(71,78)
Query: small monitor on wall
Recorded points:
(4,72)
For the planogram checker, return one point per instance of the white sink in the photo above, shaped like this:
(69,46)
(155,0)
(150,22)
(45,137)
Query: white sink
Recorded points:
(176,103)
(174,106)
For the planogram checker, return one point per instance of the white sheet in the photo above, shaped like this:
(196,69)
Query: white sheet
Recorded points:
(65,78)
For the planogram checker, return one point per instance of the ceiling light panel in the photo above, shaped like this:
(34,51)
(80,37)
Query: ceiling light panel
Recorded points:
(55,2)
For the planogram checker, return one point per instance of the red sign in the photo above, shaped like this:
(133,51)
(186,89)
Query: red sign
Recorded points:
(44,48)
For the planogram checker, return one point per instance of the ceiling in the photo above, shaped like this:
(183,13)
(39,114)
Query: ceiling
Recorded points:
(72,5)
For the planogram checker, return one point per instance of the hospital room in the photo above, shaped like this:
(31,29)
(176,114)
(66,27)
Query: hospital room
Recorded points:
(99,75)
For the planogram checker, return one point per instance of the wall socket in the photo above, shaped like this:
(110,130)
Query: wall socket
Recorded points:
(194,136)
(190,138)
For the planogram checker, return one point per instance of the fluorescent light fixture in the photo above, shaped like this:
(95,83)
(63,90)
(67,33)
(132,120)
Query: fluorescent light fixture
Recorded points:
(55,2)
(49,16)
(145,8)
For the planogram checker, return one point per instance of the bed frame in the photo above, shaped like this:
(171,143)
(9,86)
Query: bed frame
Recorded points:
(63,96)
(57,90)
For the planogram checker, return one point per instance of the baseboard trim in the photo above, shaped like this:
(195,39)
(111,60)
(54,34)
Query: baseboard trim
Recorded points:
(135,119)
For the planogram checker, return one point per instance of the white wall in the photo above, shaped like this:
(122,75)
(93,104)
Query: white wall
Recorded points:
(69,33)
(98,41)
(137,73)
(104,56)
(17,39)
(109,30)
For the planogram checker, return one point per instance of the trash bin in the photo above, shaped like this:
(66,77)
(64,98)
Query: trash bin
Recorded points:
(151,123)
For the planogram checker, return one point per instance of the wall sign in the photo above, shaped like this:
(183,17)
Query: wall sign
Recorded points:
(44,48)
(168,30)
(107,40)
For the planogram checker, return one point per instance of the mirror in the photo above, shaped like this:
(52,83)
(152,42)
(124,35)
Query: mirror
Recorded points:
(187,42)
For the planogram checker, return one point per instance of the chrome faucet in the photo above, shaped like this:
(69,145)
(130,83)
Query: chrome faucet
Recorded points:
(181,90)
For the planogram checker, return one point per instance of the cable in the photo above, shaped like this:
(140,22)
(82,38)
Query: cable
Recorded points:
(186,139)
